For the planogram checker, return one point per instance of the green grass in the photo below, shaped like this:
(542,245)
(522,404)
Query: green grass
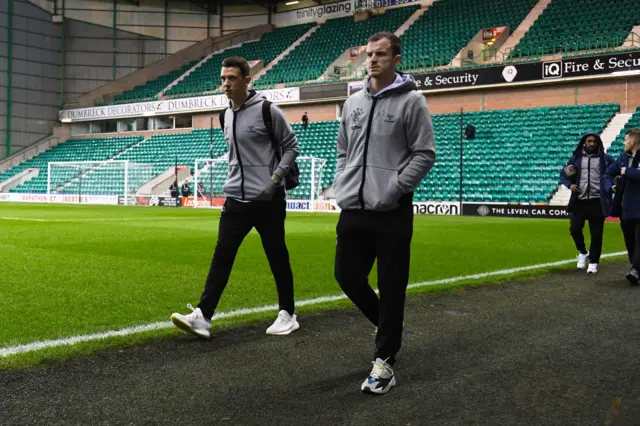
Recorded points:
(87,269)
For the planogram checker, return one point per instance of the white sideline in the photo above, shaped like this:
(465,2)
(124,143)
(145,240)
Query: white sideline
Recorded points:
(98,219)
(36,346)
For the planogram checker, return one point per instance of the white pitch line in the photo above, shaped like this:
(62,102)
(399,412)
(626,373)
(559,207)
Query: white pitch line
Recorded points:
(99,219)
(45,344)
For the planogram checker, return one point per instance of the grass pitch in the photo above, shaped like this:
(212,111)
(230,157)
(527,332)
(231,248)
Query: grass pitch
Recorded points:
(75,269)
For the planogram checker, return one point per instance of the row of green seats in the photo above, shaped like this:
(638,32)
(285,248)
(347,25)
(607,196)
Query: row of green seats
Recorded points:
(575,25)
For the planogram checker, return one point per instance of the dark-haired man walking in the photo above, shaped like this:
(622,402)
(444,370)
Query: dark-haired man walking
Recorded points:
(590,201)
(255,197)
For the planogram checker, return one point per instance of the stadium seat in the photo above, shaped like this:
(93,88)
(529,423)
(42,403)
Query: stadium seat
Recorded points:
(448,26)
(99,149)
(313,56)
(149,90)
(206,77)
(515,157)
(617,146)
(568,26)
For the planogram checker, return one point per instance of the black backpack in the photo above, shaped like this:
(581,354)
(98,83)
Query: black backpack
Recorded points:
(292,179)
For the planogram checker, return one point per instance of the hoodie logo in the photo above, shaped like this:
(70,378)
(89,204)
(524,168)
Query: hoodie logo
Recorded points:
(390,118)
(356,116)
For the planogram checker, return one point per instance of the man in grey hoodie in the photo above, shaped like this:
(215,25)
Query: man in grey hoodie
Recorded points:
(255,197)
(385,148)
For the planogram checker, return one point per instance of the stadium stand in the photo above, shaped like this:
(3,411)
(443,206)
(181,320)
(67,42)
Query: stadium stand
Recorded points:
(164,151)
(206,77)
(313,56)
(448,25)
(96,149)
(433,40)
(527,146)
(149,90)
(572,26)
(617,146)
(318,140)
(150,158)
(515,156)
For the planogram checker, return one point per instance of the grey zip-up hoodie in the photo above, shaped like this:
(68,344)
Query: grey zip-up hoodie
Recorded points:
(590,173)
(252,159)
(589,185)
(385,146)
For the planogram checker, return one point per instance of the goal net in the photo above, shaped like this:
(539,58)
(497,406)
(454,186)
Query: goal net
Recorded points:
(82,179)
(210,175)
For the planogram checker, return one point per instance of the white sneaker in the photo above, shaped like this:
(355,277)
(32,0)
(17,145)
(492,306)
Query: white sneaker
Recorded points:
(593,268)
(194,323)
(582,260)
(284,324)
(380,380)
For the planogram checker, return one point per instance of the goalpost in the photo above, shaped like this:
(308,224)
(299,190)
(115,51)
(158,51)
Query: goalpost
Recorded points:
(208,180)
(96,178)
(210,175)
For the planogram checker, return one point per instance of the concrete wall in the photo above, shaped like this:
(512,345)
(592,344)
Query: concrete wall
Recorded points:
(168,64)
(89,56)
(186,22)
(35,73)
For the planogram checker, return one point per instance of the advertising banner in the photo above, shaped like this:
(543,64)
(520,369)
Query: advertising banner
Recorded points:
(315,13)
(529,72)
(170,106)
(151,201)
(424,208)
(215,202)
(565,69)
(318,206)
(515,210)
(376,4)
(443,208)
(60,198)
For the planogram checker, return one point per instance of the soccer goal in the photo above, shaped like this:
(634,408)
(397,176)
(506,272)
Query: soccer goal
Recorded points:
(208,180)
(210,175)
(82,179)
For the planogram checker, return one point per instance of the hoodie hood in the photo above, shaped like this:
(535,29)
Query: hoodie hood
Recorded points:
(254,98)
(580,148)
(402,83)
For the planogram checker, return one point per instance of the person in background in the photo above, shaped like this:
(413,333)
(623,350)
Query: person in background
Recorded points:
(623,179)
(186,189)
(174,189)
(590,201)
(305,120)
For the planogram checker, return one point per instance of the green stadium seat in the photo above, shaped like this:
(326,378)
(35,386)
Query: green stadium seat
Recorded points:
(515,157)
(448,25)
(571,26)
